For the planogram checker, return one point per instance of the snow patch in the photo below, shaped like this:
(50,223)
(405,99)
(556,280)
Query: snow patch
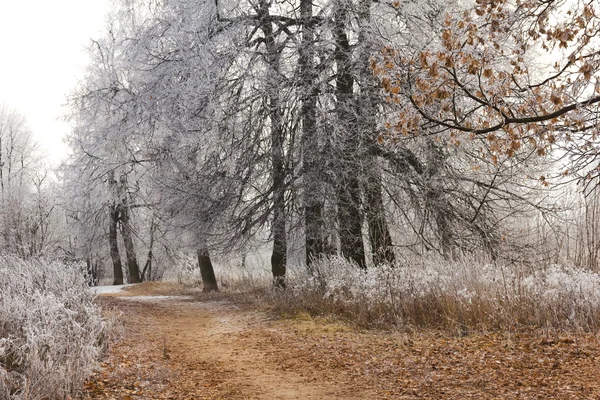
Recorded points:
(98,290)
(156,299)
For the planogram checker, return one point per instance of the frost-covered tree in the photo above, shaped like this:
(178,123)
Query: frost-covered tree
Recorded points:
(231,122)
(106,144)
(29,218)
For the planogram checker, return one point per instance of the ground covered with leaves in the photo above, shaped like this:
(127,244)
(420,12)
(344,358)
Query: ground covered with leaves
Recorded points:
(195,347)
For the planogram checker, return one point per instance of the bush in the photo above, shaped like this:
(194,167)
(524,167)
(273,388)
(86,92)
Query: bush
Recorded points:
(458,296)
(51,332)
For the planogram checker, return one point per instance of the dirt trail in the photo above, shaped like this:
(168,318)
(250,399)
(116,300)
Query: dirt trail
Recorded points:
(212,333)
(179,347)
(200,347)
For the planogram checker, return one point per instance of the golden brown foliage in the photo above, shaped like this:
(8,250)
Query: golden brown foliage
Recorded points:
(490,74)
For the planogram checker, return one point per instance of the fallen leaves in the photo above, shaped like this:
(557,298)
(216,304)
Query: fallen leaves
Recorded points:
(434,366)
(137,368)
(211,357)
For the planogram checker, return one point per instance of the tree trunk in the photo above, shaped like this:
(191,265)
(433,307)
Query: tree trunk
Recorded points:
(313,208)
(124,217)
(435,201)
(350,220)
(209,281)
(132,264)
(114,245)
(148,266)
(379,234)
(92,271)
(347,188)
(89,272)
(278,257)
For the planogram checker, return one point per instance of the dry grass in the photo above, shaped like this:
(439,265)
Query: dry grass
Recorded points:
(459,297)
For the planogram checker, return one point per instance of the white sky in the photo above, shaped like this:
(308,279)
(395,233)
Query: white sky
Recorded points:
(42,55)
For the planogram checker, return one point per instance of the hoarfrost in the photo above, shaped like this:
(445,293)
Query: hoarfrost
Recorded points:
(51,332)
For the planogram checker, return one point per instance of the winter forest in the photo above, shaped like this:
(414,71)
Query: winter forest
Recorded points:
(425,169)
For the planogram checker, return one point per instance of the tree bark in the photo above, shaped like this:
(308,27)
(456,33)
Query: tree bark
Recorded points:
(92,271)
(132,264)
(209,281)
(348,187)
(379,234)
(435,201)
(313,206)
(148,266)
(114,245)
(124,217)
(279,255)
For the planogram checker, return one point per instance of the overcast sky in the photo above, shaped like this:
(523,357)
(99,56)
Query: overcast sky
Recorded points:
(42,53)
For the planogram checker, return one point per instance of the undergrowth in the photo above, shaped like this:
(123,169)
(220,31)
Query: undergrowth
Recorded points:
(459,296)
(51,332)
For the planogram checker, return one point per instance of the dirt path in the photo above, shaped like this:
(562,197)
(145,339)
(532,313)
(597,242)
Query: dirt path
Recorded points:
(177,347)
(205,348)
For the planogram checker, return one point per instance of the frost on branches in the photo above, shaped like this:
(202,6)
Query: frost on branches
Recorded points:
(513,71)
(51,332)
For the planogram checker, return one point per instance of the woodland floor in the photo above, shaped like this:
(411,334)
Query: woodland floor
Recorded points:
(205,347)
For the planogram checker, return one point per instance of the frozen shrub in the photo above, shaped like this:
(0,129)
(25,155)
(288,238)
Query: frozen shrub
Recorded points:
(458,295)
(51,332)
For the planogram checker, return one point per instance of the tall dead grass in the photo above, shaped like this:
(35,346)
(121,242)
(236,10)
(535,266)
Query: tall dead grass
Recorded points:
(458,296)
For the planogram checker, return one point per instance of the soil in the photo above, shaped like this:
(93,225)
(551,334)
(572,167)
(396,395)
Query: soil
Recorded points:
(205,347)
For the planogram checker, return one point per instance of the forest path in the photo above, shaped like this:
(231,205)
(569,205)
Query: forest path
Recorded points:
(195,347)
(204,347)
